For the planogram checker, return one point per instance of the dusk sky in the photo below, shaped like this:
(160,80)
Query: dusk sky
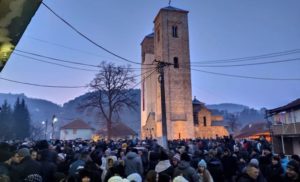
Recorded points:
(218,30)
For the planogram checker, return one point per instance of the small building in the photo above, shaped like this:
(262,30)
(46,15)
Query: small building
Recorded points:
(254,131)
(119,131)
(76,129)
(205,124)
(286,127)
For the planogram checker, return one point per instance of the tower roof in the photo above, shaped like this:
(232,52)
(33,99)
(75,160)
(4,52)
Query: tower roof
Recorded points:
(150,35)
(171,8)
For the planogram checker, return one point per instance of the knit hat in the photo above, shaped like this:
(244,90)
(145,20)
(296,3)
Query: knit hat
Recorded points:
(177,157)
(180,179)
(293,165)
(33,178)
(254,162)
(23,152)
(134,177)
(117,179)
(202,163)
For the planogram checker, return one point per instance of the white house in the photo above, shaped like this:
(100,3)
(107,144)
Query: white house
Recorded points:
(76,129)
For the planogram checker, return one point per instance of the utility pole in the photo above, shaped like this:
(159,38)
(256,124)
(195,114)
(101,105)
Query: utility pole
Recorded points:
(160,66)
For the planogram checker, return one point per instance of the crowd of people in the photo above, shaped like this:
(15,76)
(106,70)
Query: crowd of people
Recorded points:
(198,160)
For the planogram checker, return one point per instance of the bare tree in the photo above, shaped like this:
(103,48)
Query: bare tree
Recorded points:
(233,122)
(111,92)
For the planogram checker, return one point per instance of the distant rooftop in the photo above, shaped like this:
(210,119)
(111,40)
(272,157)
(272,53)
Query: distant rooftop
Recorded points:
(77,124)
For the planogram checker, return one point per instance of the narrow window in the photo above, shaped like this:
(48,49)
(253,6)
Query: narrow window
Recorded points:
(196,121)
(176,64)
(204,121)
(174,31)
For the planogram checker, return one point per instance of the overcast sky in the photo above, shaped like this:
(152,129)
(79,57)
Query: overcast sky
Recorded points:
(218,30)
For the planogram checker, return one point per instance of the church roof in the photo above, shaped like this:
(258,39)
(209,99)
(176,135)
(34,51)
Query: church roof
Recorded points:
(197,102)
(77,124)
(171,8)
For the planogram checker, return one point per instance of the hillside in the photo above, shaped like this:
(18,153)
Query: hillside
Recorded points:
(42,110)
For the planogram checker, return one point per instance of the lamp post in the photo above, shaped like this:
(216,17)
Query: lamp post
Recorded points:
(54,120)
(46,126)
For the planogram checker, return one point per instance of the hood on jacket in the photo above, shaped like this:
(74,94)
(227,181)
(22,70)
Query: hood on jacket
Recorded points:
(183,165)
(162,166)
(131,155)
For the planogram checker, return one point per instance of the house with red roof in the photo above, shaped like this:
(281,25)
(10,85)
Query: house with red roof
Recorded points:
(76,129)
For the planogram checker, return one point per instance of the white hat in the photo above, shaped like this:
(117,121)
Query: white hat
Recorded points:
(134,177)
(117,179)
(180,179)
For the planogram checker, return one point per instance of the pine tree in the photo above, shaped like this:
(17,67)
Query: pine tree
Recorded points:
(6,121)
(22,120)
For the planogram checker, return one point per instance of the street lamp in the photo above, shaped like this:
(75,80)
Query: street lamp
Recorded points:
(46,126)
(54,120)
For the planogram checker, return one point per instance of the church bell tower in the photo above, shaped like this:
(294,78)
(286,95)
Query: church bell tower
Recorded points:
(170,43)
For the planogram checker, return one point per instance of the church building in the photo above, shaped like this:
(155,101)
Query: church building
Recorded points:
(168,43)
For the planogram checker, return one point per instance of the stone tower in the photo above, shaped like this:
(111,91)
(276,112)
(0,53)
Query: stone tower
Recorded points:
(169,43)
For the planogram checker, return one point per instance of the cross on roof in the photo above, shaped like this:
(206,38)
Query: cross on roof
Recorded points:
(170,2)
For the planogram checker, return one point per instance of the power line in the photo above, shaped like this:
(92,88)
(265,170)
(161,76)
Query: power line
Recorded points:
(64,46)
(248,77)
(57,64)
(67,61)
(249,58)
(32,58)
(249,64)
(56,59)
(40,85)
(35,59)
(87,38)
(142,80)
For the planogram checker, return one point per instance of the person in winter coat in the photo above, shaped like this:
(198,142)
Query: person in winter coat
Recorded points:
(214,165)
(175,160)
(265,160)
(292,172)
(229,165)
(204,174)
(284,161)
(275,170)
(78,164)
(184,169)
(164,166)
(26,166)
(48,166)
(133,163)
(250,175)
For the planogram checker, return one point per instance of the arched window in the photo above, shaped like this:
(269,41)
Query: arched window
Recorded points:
(174,31)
